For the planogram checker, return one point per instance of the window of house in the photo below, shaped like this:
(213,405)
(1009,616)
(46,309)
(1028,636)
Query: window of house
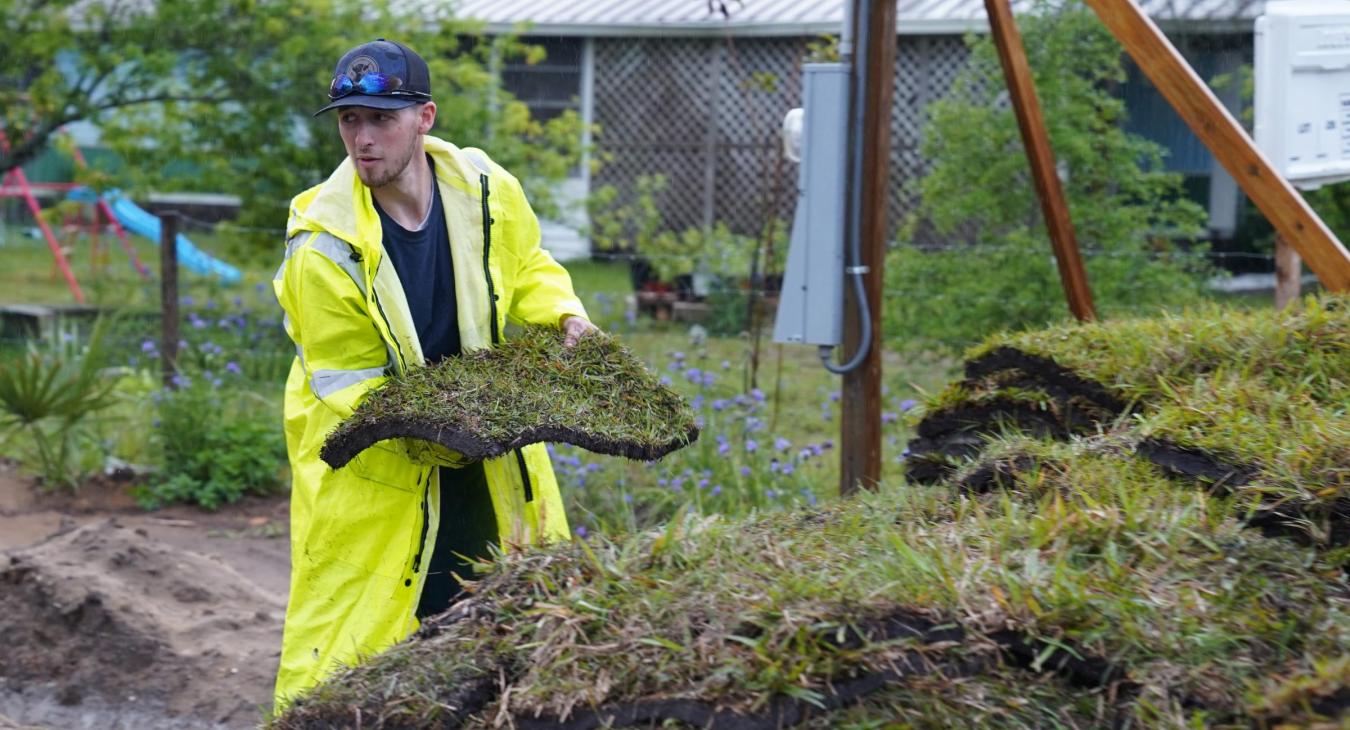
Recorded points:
(552,85)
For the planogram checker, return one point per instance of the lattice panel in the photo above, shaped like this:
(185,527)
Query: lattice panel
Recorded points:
(653,90)
(760,81)
(704,112)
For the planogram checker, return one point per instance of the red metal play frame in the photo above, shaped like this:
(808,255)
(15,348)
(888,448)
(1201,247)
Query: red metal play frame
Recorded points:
(22,188)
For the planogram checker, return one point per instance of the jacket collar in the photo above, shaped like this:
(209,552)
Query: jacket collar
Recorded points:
(342,204)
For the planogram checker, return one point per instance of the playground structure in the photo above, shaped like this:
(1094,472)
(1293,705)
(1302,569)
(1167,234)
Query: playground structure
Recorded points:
(110,209)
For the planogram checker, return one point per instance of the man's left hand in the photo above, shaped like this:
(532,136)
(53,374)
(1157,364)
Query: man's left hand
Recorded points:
(574,328)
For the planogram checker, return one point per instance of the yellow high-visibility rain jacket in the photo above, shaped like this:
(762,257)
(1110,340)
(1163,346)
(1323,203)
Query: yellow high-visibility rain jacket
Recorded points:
(361,536)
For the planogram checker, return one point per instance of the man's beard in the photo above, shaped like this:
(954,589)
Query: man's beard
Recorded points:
(392,172)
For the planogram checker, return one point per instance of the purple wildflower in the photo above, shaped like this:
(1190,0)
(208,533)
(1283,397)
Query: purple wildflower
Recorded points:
(782,444)
(907,404)
(751,446)
(726,364)
(148,346)
(758,395)
(889,417)
(788,468)
(693,375)
(719,405)
(745,471)
(582,531)
(665,380)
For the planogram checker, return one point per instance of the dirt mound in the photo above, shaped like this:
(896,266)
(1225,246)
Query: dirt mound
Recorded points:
(107,625)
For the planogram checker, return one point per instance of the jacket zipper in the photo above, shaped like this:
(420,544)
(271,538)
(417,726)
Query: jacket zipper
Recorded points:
(487,269)
(492,311)
(426,520)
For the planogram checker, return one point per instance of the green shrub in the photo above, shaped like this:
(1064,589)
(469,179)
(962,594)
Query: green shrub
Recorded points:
(953,298)
(217,446)
(637,226)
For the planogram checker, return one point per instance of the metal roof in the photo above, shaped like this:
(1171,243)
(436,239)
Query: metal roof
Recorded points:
(791,17)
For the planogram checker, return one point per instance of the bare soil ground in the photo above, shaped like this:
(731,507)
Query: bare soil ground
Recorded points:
(112,617)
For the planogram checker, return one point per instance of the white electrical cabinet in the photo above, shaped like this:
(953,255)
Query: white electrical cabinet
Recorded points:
(1302,89)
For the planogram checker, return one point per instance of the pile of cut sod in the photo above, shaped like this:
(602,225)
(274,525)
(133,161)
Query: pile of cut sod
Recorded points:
(530,389)
(1055,572)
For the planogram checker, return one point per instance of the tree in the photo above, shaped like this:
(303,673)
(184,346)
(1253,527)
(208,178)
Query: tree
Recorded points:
(217,95)
(997,272)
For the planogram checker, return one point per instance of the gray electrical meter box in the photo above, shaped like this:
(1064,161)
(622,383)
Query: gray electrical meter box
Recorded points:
(811,303)
(1302,89)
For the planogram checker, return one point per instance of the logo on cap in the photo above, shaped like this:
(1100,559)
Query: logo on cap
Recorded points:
(360,66)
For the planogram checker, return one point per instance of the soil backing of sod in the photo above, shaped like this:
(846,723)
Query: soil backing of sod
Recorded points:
(1063,575)
(531,389)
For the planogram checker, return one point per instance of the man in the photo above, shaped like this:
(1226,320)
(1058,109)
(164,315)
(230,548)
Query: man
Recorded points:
(413,250)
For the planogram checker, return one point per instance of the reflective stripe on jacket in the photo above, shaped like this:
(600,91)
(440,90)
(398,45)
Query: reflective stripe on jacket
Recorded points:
(361,536)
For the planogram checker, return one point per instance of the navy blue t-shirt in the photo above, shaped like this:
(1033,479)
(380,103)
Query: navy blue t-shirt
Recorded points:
(422,260)
(467,522)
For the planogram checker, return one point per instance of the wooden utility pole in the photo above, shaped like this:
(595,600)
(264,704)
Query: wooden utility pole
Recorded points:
(168,296)
(1030,121)
(1207,117)
(860,428)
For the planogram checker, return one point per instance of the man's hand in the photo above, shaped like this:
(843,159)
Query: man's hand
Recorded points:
(574,328)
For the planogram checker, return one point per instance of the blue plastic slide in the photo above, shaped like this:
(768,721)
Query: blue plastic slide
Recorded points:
(140,222)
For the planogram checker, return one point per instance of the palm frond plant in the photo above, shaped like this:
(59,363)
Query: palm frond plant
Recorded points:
(48,392)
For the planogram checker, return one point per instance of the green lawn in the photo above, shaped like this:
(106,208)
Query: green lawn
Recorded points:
(108,278)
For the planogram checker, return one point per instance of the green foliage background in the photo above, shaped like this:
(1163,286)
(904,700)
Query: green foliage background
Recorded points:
(1128,212)
(217,95)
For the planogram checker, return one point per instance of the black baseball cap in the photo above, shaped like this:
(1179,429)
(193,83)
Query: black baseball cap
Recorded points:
(381,74)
